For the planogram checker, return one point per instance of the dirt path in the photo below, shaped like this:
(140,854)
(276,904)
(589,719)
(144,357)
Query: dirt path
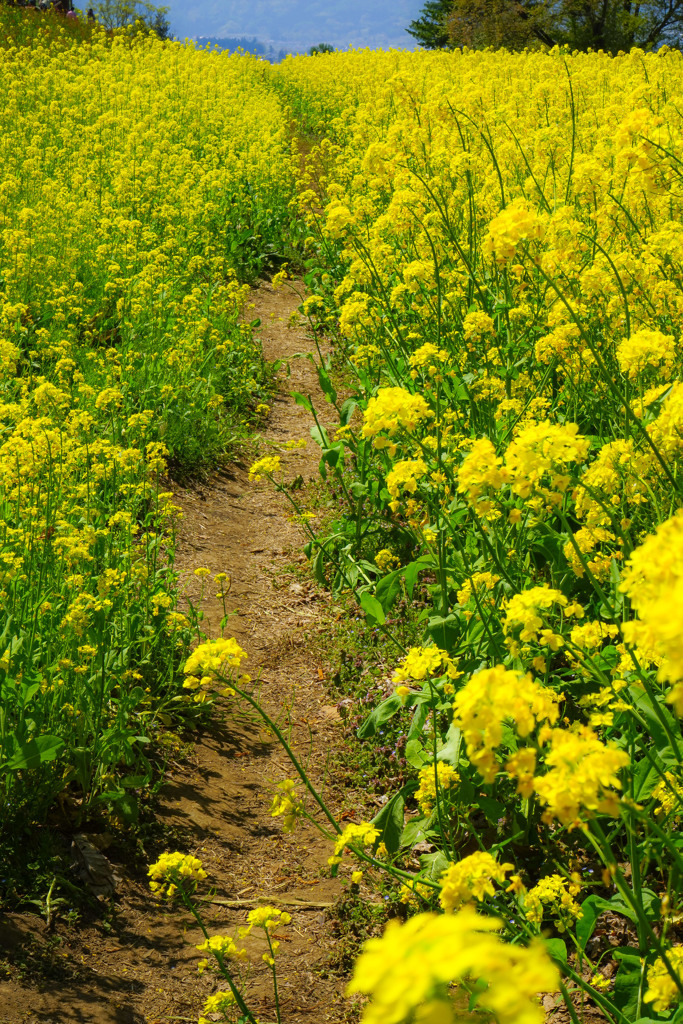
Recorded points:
(139,967)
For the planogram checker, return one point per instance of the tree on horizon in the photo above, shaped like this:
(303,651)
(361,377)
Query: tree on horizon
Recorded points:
(430,28)
(610,25)
(121,13)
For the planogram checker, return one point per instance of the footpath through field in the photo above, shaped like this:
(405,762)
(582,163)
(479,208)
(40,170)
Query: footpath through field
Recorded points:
(144,969)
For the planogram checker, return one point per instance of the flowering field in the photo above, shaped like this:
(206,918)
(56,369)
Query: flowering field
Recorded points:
(139,186)
(495,241)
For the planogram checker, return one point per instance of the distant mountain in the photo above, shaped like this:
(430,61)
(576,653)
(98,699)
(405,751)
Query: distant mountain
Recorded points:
(232,43)
(253,45)
(298,24)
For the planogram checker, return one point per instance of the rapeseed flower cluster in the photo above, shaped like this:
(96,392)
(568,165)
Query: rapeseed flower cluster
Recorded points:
(582,776)
(215,656)
(391,410)
(219,1002)
(266,466)
(173,868)
(409,970)
(556,894)
(363,835)
(654,582)
(287,803)
(433,782)
(470,879)
(662,991)
(493,698)
(421,662)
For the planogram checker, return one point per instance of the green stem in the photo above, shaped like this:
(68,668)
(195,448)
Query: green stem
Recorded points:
(603,849)
(244,1009)
(288,750)
(606,1005)
(273,969)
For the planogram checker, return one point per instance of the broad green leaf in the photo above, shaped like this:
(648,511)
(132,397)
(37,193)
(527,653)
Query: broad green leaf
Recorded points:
(433,865)
(382,713)
(627,983)
(417,831)
(318,567)
(420,714)
(450,751)
(493,809)
(591,909)
(320,436)
(301,400)
(415,754)
(31,754)
(332,455)
(388,589)
(347,411)
(412,570)
(390,822)
(444,631)
(326,385)
(557,948)
(372,608)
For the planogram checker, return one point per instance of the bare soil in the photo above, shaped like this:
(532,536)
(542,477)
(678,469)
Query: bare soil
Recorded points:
(138,962)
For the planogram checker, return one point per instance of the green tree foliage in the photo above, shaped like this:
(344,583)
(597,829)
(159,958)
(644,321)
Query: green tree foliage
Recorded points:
(430,29)
(321,48)
(514,24)
(609,25)
(121,13)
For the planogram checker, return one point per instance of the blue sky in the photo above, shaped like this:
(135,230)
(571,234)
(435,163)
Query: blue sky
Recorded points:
(299,23)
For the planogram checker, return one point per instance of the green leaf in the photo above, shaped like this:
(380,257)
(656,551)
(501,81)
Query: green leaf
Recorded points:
(318,567)
(433,865)
(390,822)
(417,831)
(135,781)
(372,608)
(332,454)
(444,631)
(627,982)
(594,906)
(326,386)
(125,803)
(422,709)
(28,691)
(656,730)
(645,777)
(31,754)
(301,400)
(382,713)
(415,754)
(557,949)
(494,810)
(347,411)
(388,589)
(320,436)
(591,907)
(412,570)
(450,751)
